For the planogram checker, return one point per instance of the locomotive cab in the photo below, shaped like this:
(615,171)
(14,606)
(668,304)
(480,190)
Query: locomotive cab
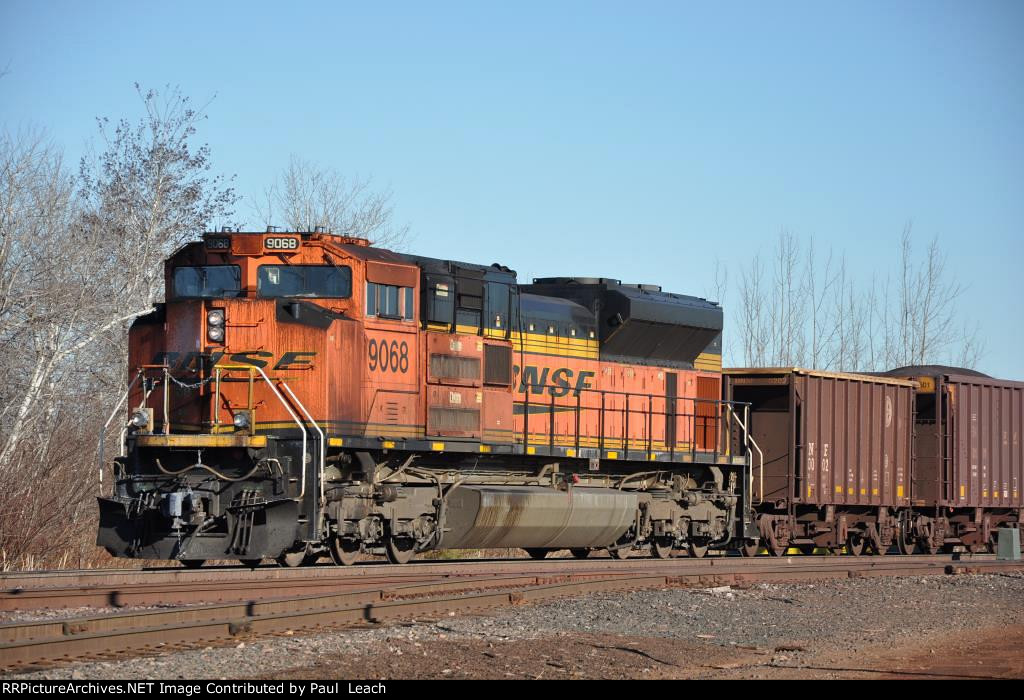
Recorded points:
(225,448)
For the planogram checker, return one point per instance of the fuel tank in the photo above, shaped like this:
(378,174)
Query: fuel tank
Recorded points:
(535,516)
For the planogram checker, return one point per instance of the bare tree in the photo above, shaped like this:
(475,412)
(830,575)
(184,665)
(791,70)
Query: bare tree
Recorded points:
(786,309)
(79,258)
(813,312)
(149,192)
(923,325)
(306,196)
(850,339)
(754,330)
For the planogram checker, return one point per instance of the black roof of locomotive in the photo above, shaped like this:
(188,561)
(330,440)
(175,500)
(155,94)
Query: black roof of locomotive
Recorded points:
(634,323)
(640,322)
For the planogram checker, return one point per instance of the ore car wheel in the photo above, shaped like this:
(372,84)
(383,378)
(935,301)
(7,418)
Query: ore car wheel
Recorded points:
(661,548)
(854,545)
(776,545)
(750,548)
(696,551)
(400,550)
(807,549)
(343,551)
(192,563)
(251,563)
(904,540)
(580,552)
(536,552)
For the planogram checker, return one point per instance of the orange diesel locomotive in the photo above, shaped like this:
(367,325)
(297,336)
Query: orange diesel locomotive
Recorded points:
(301,394)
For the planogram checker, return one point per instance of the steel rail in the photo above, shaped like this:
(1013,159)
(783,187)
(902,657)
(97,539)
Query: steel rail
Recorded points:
(375,566)
(69,589)
(49,641)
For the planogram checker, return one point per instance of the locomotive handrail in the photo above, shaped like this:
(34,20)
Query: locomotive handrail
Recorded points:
(323,447)
(703,427)
(103,430)
(305,433)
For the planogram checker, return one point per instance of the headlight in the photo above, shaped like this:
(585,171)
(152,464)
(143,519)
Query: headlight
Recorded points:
(241,420)
(139,419)
(215,318)
(215,333)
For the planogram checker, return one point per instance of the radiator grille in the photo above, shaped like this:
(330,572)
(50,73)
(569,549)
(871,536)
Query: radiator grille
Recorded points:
(454,367)
(464,419)
(498,364)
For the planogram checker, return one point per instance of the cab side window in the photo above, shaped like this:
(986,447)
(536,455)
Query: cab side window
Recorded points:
(389,301)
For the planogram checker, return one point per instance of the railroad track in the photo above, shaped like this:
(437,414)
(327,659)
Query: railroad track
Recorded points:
(29,645)
(139,587)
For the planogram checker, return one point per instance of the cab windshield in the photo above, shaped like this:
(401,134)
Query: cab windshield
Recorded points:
(207,282)
(333,282)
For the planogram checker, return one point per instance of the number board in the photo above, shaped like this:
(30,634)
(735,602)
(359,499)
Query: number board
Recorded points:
(221,243)
(388,356)
(281,244)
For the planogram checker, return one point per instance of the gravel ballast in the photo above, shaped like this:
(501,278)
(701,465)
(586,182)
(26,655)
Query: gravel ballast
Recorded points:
(783,623)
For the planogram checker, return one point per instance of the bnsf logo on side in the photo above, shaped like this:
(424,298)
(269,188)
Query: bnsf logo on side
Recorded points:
(558,382)
(281,243)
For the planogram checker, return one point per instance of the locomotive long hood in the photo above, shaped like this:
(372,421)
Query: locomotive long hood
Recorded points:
(641,321)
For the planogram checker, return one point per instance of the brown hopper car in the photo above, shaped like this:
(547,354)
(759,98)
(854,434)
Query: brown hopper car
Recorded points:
(969,473)
(837,456)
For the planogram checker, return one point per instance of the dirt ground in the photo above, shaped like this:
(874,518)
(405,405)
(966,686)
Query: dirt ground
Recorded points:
(989,653)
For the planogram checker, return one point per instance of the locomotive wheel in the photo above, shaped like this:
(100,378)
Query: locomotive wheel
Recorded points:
(400,550)
(192,563)
(661,548)
(251,563)
(854,544)
(343,551)
(696,551)
(580,552)
(536,552)
(622,552)
(750,548)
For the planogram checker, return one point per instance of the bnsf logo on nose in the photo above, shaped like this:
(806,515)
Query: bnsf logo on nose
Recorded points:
(281,243)
(255,358)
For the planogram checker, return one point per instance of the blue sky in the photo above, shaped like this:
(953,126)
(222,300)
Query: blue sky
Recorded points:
(632,140)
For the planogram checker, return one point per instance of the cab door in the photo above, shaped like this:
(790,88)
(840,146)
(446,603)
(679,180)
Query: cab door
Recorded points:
(391,375)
